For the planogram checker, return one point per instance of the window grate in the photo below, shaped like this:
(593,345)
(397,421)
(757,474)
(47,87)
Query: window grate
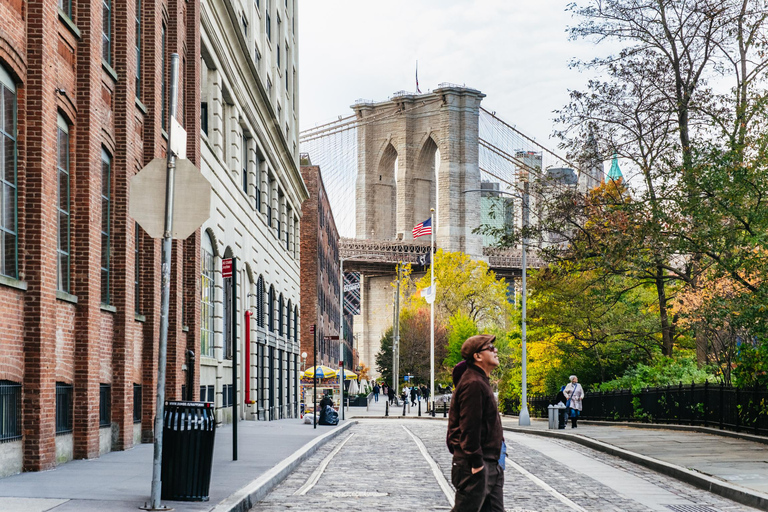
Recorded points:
(105,405)
(63,408)
(10,411)
(137,403)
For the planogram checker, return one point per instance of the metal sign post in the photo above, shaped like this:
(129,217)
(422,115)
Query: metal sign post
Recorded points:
(229,271)
(313,330)
(165,298)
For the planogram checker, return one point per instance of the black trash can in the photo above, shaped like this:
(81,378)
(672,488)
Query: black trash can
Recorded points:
(188,433)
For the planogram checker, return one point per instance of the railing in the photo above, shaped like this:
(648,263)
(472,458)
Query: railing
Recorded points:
(708,405)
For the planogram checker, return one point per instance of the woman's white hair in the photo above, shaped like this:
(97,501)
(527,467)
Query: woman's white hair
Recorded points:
(572,377)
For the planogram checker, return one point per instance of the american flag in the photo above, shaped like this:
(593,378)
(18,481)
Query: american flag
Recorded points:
(423,228)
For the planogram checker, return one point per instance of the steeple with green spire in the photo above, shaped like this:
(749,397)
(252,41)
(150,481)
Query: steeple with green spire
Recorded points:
(615,172)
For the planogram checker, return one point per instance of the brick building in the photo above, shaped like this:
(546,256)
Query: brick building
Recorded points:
(82,109)
(320,286)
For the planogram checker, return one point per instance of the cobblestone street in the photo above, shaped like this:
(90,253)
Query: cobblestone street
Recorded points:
(403,465)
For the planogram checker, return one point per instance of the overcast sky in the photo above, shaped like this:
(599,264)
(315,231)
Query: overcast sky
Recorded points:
(515,51)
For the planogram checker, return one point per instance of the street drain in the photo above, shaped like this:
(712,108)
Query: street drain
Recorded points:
(355,494)
(691,508)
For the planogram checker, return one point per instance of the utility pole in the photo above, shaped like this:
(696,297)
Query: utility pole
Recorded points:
(396,337)
(524,418)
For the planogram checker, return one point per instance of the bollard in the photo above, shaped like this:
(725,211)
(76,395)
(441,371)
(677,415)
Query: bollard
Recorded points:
(445,410)
(386,410)
(432,408)
(419,407)
(405,404)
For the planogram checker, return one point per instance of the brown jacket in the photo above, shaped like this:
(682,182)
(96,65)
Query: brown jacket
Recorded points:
(474,427)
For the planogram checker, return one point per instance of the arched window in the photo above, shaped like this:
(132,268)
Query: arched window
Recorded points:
(271,309)
(280,315)
(207,296)
(288,314)
(260,302)
(9,246)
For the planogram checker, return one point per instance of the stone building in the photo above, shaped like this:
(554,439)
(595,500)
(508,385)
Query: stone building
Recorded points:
(82,111)
(249,113)
(320,287)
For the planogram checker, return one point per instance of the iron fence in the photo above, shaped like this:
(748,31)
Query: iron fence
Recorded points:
(10,411)
(708,405)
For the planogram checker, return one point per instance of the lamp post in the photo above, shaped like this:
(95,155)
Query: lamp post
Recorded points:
(303,361)
(524,419)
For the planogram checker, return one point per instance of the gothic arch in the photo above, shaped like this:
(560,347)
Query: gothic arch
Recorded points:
(422,179)
(384,190)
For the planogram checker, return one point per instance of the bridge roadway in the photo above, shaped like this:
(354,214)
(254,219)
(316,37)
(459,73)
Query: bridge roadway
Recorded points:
(373,257)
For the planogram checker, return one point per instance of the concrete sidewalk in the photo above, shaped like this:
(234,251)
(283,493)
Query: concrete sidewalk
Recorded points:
(121,481)
(732,465)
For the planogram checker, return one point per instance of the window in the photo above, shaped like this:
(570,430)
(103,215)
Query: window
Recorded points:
(106,31)
(268,19)
(106,248)
(280,315)
(105,405)
(270,185)
(137,403)
(227,398)
(138,48)
(206,301)
(8,191)
(269,86)
(66,7)
(10,410)
(137,268)
(63,408)
(164,120)
(257,56)
(257,180)
(271,309)
(278,227)
(295,323)
(63,207)
(288,217)
(288,314)
(245,164)
(260,302)
(245,24)
(278,55)
(207,394)
(204,117)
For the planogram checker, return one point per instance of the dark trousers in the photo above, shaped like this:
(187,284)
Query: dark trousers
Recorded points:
(481,492)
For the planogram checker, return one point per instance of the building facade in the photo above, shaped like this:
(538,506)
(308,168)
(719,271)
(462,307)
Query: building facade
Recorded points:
(320,286)
(82,111)
(249,141)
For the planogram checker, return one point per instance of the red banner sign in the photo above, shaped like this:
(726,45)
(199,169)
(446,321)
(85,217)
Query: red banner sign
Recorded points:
(226,268)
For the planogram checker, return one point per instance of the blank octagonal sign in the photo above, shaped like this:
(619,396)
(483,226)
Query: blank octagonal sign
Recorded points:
(191,203)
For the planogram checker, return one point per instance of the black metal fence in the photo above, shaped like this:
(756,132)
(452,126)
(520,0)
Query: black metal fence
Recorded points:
(708,405)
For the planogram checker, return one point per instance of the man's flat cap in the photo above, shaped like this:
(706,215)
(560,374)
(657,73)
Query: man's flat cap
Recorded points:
(475,343)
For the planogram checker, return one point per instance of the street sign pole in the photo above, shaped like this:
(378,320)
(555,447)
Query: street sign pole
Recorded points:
(313,328)
(165,297)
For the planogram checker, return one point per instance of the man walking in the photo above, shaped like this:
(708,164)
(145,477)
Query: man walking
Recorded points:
(376,391)
(474,431)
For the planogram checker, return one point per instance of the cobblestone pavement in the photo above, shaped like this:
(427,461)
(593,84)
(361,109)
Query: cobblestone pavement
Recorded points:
(377,465)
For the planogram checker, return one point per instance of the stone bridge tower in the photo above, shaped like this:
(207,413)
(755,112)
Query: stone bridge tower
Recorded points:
(415,152)
(405,146)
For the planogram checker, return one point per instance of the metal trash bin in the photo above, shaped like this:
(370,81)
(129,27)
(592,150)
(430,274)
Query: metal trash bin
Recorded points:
(555,416)
(189,429)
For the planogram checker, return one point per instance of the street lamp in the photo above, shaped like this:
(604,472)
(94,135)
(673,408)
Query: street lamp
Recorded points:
(303,361)
(524,419)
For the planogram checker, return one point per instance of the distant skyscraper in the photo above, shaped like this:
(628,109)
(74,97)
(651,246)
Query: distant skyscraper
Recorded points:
(592,172)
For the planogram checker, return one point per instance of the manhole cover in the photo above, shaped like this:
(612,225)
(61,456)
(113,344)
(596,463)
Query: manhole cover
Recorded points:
(355,494)
(691,508)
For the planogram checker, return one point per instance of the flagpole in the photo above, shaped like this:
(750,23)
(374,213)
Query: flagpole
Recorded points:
(432,312)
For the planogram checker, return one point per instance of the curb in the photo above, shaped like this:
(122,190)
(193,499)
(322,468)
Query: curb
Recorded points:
(245,498)
(714,485)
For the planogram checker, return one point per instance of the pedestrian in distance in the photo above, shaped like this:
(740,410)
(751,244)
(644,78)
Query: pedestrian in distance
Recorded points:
(474,435)
(376,390)
(413,396)
(574,392)
(391,395)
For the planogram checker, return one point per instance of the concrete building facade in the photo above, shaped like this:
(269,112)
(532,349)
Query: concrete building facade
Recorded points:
(248,61)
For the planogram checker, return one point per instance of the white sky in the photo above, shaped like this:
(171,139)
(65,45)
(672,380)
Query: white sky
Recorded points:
(515,51)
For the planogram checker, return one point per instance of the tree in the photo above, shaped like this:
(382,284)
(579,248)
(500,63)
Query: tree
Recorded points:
(384,357)
(462,327)
(415,344)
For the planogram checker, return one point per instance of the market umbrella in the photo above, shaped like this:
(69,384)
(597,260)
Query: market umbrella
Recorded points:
(321,372)
(348,375)
(353,388)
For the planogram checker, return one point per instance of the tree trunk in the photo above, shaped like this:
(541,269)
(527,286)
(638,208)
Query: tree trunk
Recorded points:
(666,328)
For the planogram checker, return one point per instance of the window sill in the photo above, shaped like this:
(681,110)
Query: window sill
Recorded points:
(139,317)
(185,328)
(108,307)
(109,69)
(13,283)
(66,297)
(69,24)
(141,106)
